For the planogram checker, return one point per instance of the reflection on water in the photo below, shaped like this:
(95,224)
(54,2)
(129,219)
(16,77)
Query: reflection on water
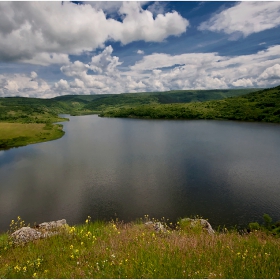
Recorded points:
(227,172)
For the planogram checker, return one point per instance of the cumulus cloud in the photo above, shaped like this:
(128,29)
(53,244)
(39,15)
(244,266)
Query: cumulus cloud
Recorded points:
(33,75)
(157,7)
(156,72)
(48,31)
(243,83)
(105,62)
(245,18)
(24,85)
(61,85)
(140,52)
(271,73)
(209,70)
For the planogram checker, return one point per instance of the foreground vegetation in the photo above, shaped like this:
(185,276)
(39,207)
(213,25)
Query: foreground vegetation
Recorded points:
(135,250)
(263,105)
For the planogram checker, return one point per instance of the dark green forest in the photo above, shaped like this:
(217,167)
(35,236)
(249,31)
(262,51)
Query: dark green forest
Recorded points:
(38,110)
(261,106)
(22,119)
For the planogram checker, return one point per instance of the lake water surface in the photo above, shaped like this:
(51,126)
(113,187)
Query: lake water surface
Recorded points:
(228,172)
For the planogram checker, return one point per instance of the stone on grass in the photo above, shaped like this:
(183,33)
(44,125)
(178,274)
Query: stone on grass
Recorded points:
(202,222)
(44,230)
(52,225)
(25,234)
(159,227)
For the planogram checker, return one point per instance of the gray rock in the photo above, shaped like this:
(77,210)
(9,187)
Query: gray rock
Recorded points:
(52,225)
(159,227)
(25,234)
(205,224)
(44,230)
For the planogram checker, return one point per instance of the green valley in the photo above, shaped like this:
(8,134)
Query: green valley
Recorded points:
(30,120)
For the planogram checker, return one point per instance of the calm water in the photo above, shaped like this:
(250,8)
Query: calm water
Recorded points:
(228,172)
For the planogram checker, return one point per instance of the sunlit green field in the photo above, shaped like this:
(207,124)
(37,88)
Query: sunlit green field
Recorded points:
(21,134)
(135,250)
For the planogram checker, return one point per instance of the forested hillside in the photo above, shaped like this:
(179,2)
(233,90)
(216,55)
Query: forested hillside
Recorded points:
(263,105)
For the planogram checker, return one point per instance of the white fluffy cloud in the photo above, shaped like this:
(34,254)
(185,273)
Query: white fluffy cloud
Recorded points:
(271,73)
(105,62)
(156,72)
(24,85)
(46,32)
(159,72)
(245,18)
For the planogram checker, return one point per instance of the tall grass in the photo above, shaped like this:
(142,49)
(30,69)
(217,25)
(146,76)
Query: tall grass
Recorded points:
(135,250)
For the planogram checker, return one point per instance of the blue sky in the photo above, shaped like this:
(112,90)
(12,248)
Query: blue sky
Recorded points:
(57,48)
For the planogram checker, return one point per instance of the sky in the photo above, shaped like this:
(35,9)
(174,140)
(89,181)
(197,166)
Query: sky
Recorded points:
(49,49)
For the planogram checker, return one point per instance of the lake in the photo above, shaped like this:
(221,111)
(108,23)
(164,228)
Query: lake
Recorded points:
(225,171)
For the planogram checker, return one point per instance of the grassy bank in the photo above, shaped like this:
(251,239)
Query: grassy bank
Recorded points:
(135,250)
(21,134)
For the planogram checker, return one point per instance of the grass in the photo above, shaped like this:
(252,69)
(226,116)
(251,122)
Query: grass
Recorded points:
(21,134)
(135,250)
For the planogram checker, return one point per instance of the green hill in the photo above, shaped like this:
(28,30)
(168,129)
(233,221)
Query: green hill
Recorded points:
(176,96)
(262,105)
(230,104)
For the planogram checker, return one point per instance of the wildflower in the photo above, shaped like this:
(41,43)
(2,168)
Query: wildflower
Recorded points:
(46,271)
(34,275)
(24,269)
(113,256)
(72,256)
(82,243)
(71,247)
(17,268)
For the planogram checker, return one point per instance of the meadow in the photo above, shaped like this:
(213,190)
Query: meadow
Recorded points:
(135,250)
(21,134)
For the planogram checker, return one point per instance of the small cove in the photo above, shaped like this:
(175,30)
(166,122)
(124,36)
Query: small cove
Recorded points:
(225,171)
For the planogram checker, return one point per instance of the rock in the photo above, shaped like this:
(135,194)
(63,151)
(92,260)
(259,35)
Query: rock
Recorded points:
(52,225)
(44,230)
(25,234)
(205,224)
(159,227)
